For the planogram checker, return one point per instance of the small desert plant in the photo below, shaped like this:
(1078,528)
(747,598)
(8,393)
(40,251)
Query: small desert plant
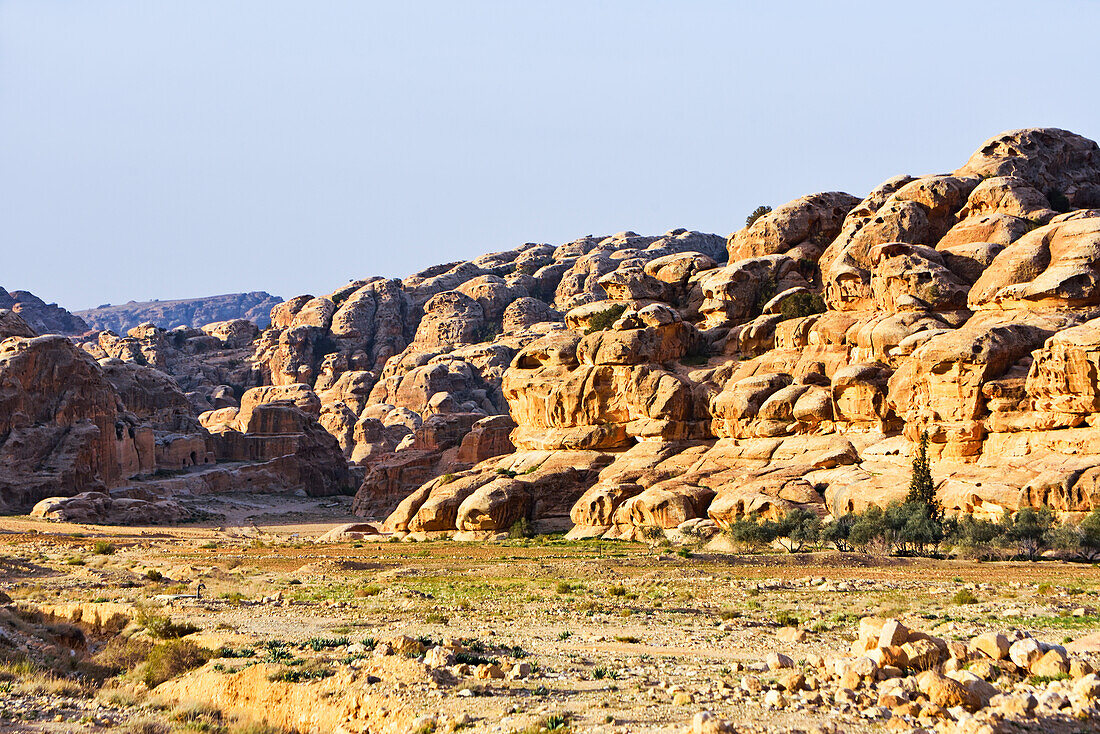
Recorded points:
(103,548)
(964,596)
(324,643)
(437,618)
(369,590)
(154,575)
(1059,202)
(785,619)
(145,726)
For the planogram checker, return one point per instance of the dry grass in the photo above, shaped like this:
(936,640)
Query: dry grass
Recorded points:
(30,680)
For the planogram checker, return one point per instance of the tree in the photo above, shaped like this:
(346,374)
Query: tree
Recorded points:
(1030,530)
(1090,534)
(975,537)
(749,533)
(797,529)
(915,527)
(836,533)
(921,487)
(868,532)
(756,214)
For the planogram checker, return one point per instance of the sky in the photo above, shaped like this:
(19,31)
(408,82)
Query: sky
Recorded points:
(180,149)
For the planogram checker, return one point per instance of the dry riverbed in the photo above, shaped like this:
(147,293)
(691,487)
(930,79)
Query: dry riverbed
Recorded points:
(522,635)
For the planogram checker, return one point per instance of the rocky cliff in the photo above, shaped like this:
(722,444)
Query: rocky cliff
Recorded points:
(193,312)
(41,317)
(660,382)
(625,384)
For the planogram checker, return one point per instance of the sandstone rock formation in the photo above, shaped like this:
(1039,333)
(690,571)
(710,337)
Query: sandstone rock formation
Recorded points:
(799,374)
(628,384)
(42,317)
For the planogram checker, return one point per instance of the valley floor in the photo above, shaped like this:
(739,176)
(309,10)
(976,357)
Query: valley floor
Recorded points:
(502,637)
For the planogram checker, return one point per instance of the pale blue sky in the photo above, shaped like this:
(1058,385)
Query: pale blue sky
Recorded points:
(175,149)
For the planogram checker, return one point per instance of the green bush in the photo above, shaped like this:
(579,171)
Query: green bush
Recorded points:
(975,537)
(122,654)
(604,320)
(964,596)
(103,548)
(162,626)
(801,304)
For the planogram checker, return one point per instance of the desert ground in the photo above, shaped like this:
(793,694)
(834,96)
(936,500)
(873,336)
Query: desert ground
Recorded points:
(521,635)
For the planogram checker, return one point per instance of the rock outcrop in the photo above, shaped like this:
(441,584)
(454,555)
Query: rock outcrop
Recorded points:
(629,384)
(798,375)
(41,317)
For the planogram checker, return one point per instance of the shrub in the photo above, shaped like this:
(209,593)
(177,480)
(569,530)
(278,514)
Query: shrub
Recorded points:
(603,320)
(521,528)
(145,726)
(1029,530)
(103,548)
(964,596)
(487,332)
(802,304)
(785,619)
(756,214)
(765,291)
(915,527)
(122,654)
(869,532)
(154,575)
(1059,202)
(162,626)
(297,675)
(325,643)
(173,658)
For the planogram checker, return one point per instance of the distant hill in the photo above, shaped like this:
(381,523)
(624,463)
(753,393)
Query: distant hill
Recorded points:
(44,318)
(255,306)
